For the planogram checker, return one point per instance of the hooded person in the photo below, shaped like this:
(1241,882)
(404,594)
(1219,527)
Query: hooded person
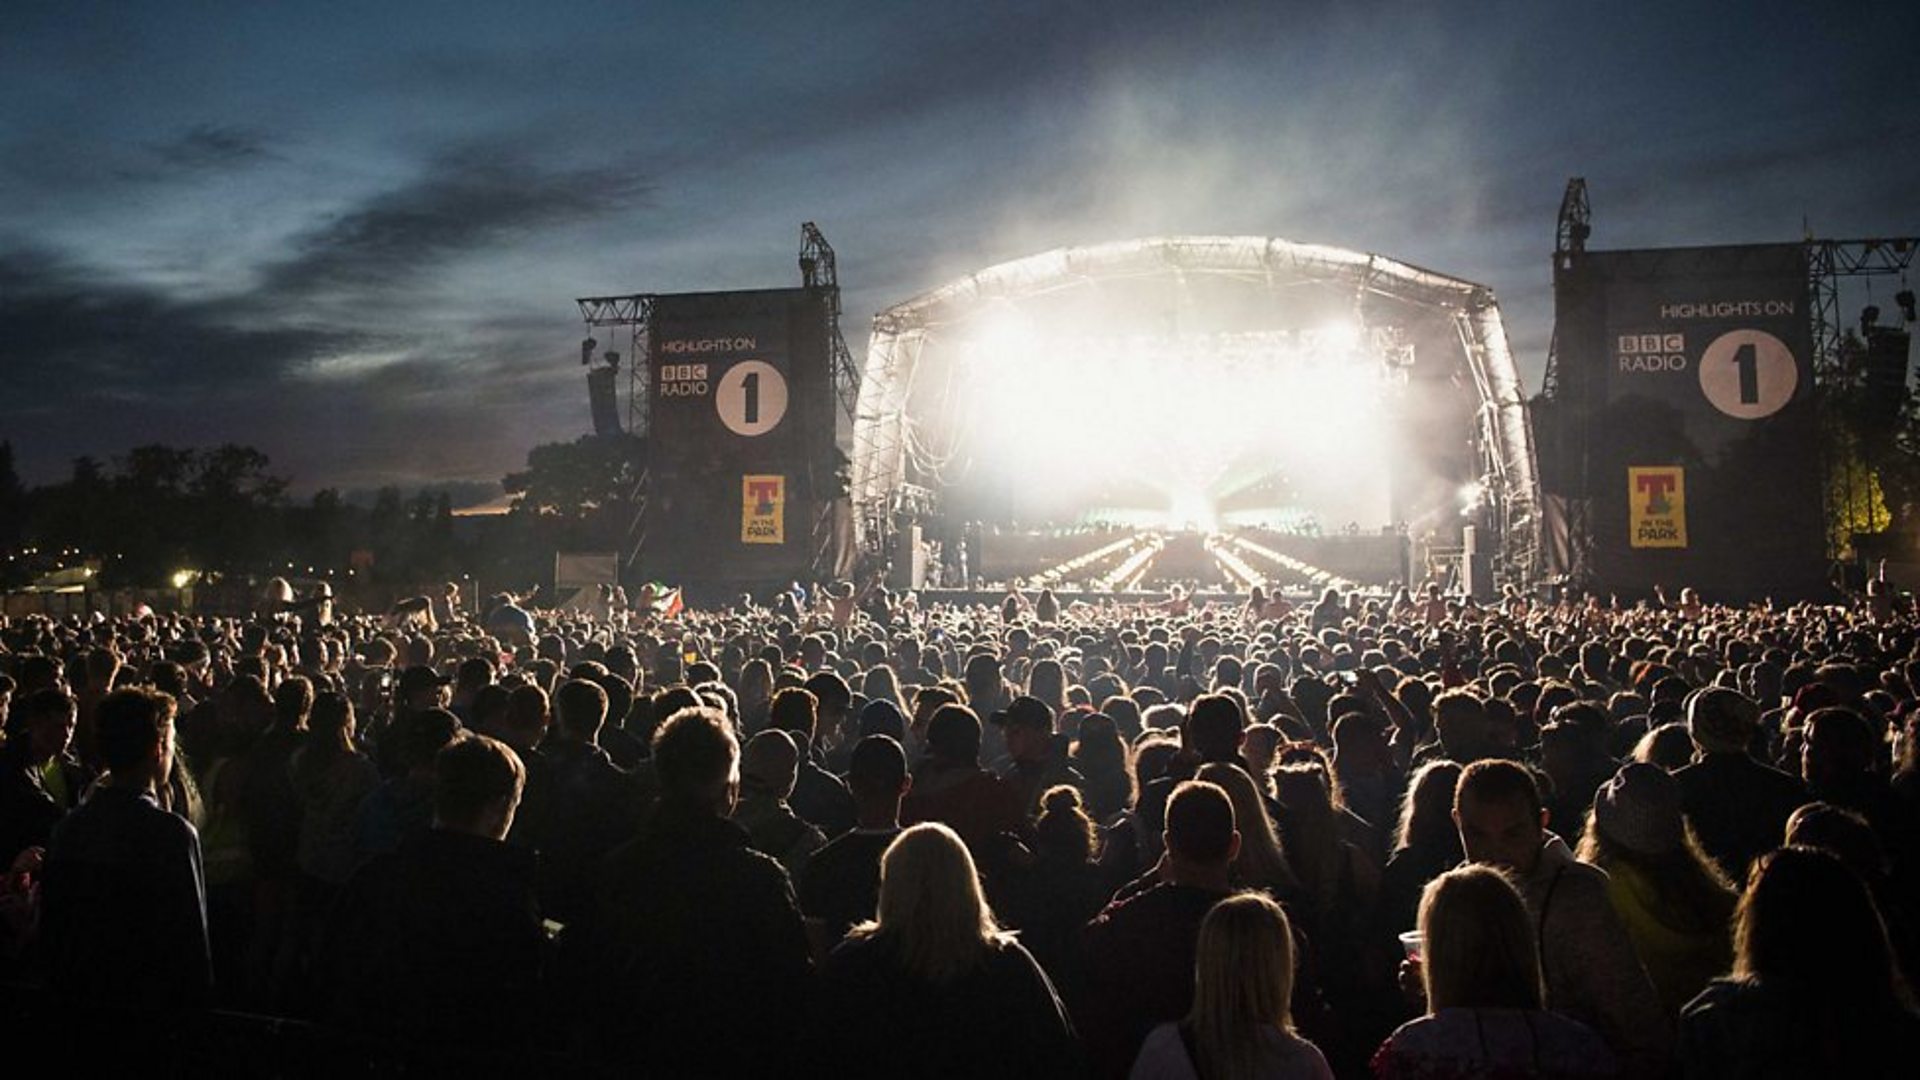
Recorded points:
(1676,904)
(769,764)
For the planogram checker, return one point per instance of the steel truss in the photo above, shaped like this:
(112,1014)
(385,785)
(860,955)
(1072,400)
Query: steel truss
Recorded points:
(636,314)
(1828,261)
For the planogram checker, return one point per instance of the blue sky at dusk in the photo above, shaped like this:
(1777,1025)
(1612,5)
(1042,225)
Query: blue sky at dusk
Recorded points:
(350,234)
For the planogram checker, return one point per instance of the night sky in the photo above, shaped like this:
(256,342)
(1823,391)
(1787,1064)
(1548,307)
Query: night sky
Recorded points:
(350,234)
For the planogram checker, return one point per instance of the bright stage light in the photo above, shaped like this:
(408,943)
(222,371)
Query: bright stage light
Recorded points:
(1472,493)
(1178,423)
(1192,509)
(1002,331)
(1340,335)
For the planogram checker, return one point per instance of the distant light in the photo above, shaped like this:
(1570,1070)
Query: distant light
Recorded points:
(1193,510)
(1472,497)
(1003,330)
(1341,335)
(183,578)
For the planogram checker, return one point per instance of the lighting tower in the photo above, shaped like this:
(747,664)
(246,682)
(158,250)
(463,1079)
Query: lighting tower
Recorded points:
(1576,224)
(1570,242)
(817,271)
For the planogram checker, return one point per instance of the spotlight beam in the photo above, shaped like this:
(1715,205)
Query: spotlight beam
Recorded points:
(1232,565)
(1320,578)
(1128,573)
(1057,574)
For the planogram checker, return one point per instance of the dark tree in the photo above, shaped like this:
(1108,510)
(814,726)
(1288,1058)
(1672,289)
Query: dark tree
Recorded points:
(13,499)
(576,481)
(13,519)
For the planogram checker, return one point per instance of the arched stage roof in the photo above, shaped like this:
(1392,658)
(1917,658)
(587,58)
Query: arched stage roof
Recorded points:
(883,428)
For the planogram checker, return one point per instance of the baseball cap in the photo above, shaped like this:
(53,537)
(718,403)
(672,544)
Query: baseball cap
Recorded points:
(419,677)
(1025,711)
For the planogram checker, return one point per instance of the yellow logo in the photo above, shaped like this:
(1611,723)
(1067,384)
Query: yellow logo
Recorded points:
(763,506)
(1657,507)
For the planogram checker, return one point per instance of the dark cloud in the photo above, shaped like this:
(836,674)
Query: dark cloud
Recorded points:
(464,202)
(201,151)
(97,366)
(334,393)
(71,335)
(210,147)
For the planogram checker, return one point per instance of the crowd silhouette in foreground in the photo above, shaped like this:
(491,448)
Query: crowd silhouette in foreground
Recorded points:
(886,836)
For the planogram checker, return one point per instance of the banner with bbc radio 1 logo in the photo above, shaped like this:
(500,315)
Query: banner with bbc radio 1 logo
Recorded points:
(1700,398)
(741,437)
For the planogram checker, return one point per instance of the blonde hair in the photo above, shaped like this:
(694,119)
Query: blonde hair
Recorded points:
(1478,949)
(932,913)
(1242,984)
(1426,810)
(1263,862)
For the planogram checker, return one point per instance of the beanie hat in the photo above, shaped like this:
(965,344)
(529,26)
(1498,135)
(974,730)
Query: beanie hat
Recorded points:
(770,762)
(1722,721)
(1639,809)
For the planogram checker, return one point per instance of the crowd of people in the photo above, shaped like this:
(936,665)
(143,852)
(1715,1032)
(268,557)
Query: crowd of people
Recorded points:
(892,836)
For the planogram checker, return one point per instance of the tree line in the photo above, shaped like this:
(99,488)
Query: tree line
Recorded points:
(156,510)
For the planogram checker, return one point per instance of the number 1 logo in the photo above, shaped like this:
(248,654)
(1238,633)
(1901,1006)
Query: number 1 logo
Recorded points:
(1748,374)
(751,398)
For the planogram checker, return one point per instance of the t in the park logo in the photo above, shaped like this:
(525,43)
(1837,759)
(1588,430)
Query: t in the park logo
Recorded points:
(763,502)
(1657,506)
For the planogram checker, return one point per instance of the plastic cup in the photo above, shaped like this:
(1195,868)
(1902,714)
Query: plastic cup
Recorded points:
(1412,941)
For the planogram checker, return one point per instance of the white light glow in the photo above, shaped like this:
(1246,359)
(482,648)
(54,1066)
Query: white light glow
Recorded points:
(1192,509)
(1001,332)
(1111,420)
(1341,335)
